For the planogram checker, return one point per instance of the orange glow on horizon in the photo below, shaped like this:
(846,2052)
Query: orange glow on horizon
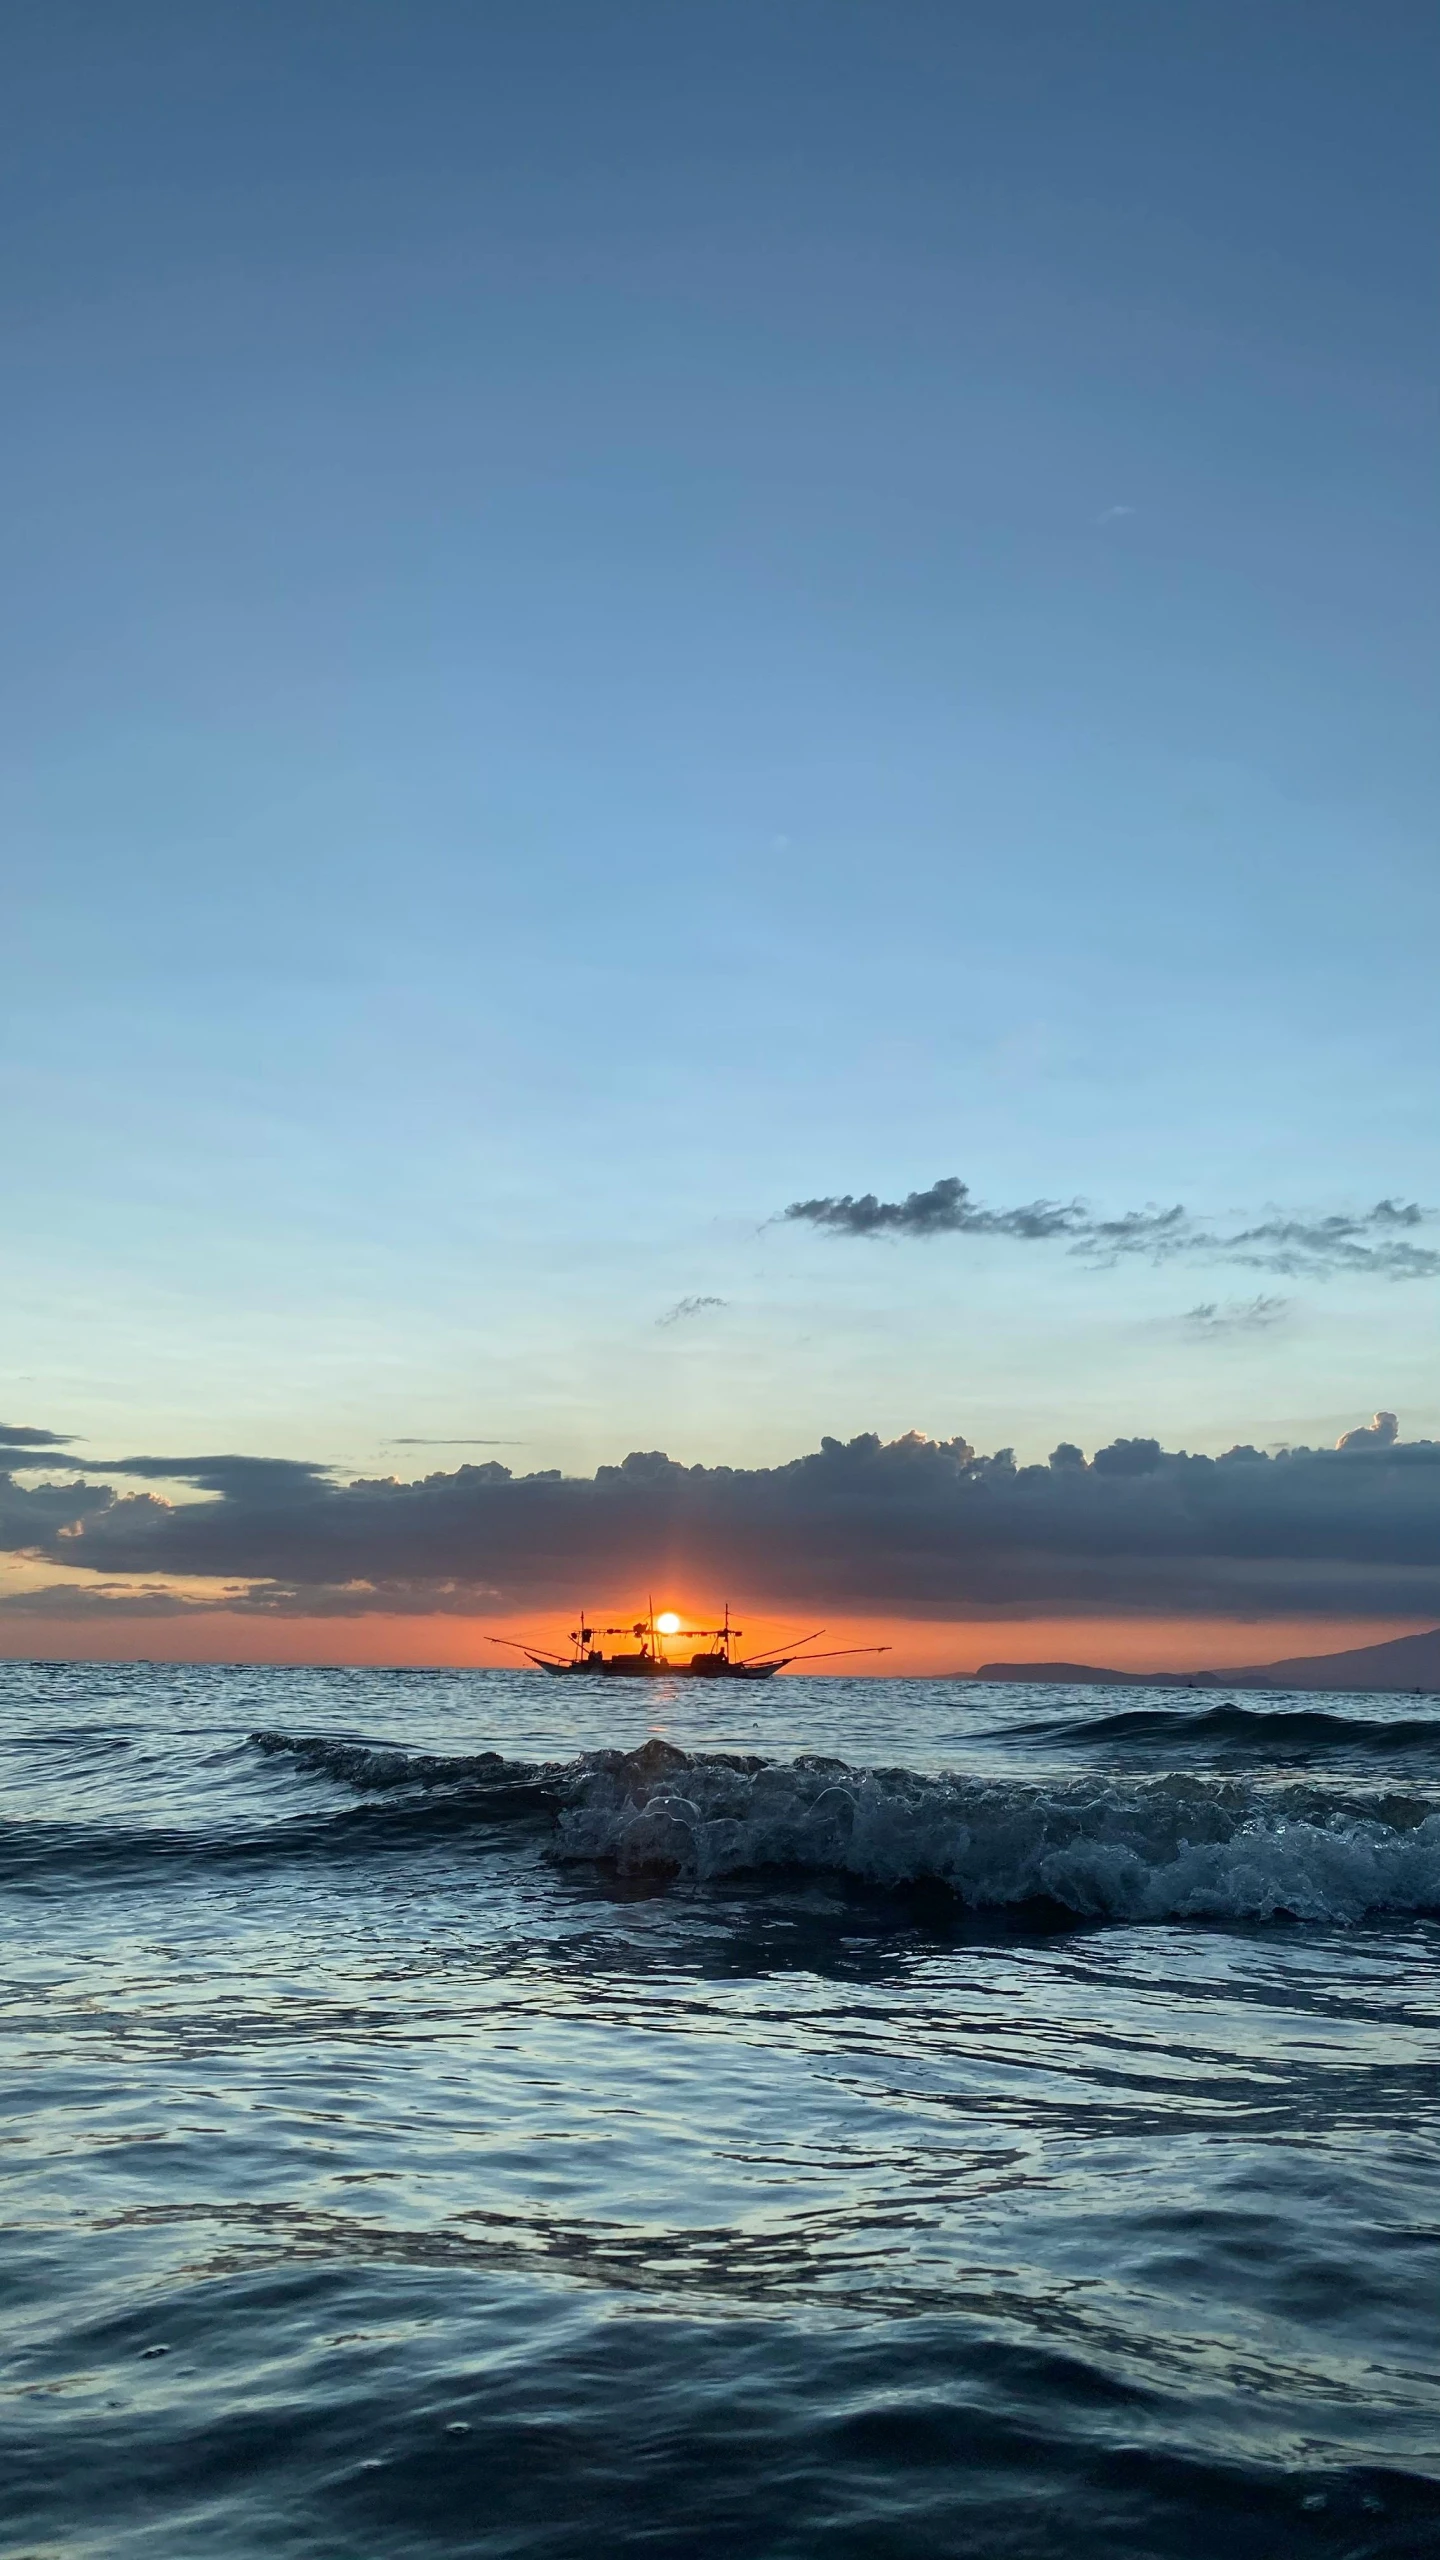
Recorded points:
(916,1647)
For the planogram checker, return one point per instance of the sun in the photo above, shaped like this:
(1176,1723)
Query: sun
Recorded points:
(667,1624)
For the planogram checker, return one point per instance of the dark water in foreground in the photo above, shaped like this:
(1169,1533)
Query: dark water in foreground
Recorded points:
(410,2151)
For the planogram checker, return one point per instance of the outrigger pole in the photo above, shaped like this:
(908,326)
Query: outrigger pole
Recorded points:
(832,1653)
(719,1662)
(532,1653)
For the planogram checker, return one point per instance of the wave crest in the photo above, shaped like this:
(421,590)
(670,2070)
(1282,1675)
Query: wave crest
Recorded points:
(1173,1847)
(374,1768)
(1306,1730)
(1167,1848)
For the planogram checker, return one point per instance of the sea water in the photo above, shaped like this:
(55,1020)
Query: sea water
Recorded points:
(465,2113)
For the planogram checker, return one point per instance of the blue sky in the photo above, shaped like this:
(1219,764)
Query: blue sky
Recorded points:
(621,615)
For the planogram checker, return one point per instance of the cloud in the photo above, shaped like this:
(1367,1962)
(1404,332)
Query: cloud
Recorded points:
(946,1209)
(1382,1433)
(1238,1315)
(19,1435)
(413,1440)
(919,1527)
(34,1517)
(82,1602)
(684,1308)
(1375,1242)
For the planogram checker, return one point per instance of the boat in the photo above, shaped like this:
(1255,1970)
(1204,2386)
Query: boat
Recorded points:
(715,1657)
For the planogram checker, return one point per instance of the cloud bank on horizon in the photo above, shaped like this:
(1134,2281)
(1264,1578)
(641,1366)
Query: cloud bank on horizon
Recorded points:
(1377,1241)
(914,1527)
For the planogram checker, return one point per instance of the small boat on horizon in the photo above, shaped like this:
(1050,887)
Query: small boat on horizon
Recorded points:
(715,1658)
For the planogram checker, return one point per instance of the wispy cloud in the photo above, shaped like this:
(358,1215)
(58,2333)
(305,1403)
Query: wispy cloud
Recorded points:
(1377,1241)
(83,1601)
(1236,1315)
(20,1435)
(684,1308)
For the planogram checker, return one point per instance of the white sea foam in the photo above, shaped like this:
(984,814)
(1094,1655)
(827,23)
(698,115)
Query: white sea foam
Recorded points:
(1146,1849)
(1174,1846)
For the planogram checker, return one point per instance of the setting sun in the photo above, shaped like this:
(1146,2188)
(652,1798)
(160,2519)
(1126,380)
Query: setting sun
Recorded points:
(667,1624)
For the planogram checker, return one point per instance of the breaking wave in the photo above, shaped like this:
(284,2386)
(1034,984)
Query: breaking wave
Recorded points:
(1133,1849)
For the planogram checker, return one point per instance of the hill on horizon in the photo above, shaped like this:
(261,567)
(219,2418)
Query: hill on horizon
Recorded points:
(1401,1663)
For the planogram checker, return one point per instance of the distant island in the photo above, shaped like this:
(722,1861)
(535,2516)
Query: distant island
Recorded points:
(1406,1662)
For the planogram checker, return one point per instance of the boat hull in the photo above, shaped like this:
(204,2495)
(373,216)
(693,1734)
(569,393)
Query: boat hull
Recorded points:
(648,1670)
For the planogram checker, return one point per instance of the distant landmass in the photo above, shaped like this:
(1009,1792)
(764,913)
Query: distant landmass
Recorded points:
(1406,1662)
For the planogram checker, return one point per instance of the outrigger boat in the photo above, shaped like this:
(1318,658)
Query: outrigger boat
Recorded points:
(716,1658)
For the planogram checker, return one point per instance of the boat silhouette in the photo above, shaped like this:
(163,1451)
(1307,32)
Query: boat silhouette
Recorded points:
(715,1657)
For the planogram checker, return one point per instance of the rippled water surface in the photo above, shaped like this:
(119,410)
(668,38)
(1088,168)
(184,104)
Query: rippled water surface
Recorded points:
(453,2113)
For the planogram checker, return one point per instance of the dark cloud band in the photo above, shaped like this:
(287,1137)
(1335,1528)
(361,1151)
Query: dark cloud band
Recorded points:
(915,1526)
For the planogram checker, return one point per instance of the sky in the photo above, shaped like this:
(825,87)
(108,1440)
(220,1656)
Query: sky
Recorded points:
(624,621)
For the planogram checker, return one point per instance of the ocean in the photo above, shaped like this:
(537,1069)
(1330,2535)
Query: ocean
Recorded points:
(847,2119)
